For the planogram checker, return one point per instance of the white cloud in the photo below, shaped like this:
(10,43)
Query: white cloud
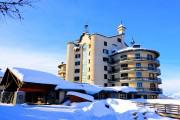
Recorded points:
(13,57)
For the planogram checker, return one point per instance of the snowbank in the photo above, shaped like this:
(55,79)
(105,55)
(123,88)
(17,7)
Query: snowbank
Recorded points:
(160,101)
(81,95)
(110,109)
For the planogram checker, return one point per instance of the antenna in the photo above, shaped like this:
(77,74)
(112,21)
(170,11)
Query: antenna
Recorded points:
(121,22)
(132,42)
(86,28)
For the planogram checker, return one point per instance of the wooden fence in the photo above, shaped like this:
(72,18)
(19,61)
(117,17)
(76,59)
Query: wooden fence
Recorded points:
(168,110)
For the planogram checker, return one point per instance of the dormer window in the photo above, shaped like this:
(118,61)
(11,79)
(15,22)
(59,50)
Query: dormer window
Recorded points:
(119,40)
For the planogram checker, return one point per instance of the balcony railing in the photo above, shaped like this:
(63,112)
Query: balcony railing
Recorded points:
(149,79)
(135,59)
(154,90)
(123,69)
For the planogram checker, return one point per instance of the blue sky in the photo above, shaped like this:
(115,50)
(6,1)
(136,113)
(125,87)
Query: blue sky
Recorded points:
(39,41)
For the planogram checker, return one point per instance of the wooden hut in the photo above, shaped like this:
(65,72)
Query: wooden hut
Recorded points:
(28,86)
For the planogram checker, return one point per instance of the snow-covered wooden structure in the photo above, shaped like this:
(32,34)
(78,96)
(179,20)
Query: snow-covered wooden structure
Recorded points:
(22,85)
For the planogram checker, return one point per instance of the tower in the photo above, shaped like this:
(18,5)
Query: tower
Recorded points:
(121,29)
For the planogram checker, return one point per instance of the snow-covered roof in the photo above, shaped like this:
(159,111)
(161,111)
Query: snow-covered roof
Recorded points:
(81,95)
(125,89)
(127,49)
(35,76)
(90,89)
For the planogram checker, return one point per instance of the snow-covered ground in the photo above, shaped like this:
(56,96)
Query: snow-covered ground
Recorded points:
(160,101)
(110,109)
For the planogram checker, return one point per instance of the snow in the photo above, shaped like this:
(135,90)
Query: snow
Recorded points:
(17,73)
(81,95)
(90,89)
(35,76)
(132,48)
(160,101)
(110,109)
(125,89)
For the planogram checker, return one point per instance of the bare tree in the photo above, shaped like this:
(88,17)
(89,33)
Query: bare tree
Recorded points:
(12,7)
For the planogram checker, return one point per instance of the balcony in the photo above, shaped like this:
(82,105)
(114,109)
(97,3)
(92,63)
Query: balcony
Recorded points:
(136,59)
(152,69)
(150,90)
(131,79)
(128,69)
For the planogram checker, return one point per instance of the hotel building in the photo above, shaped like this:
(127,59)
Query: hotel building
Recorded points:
(88,57)
(109,61)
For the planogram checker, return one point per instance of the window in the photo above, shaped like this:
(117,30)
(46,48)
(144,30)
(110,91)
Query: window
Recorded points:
(122,96)
(77,50)
(89,61)
(113,84)
(152,76)
(89,53)
(105,68)
(76,70)
(119,40)
(89,69)
(123,57)
(105,59)
(76,78)
(77,63)
(89,77)
(77,56)
(152,85)
(105,84)
(84,69)
(150,67)
(112,77)
(124,75)
(138,64)
(114,45)
(105,51)
(149,57)
(89,45)
(105,76)
(124,84)
(137,55)
(124,65)
(139,84)
(138,74)
(105,43)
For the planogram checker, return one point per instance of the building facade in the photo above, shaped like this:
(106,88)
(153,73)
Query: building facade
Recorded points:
(138,68)
(88,57)
(109,61)
(62,70)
